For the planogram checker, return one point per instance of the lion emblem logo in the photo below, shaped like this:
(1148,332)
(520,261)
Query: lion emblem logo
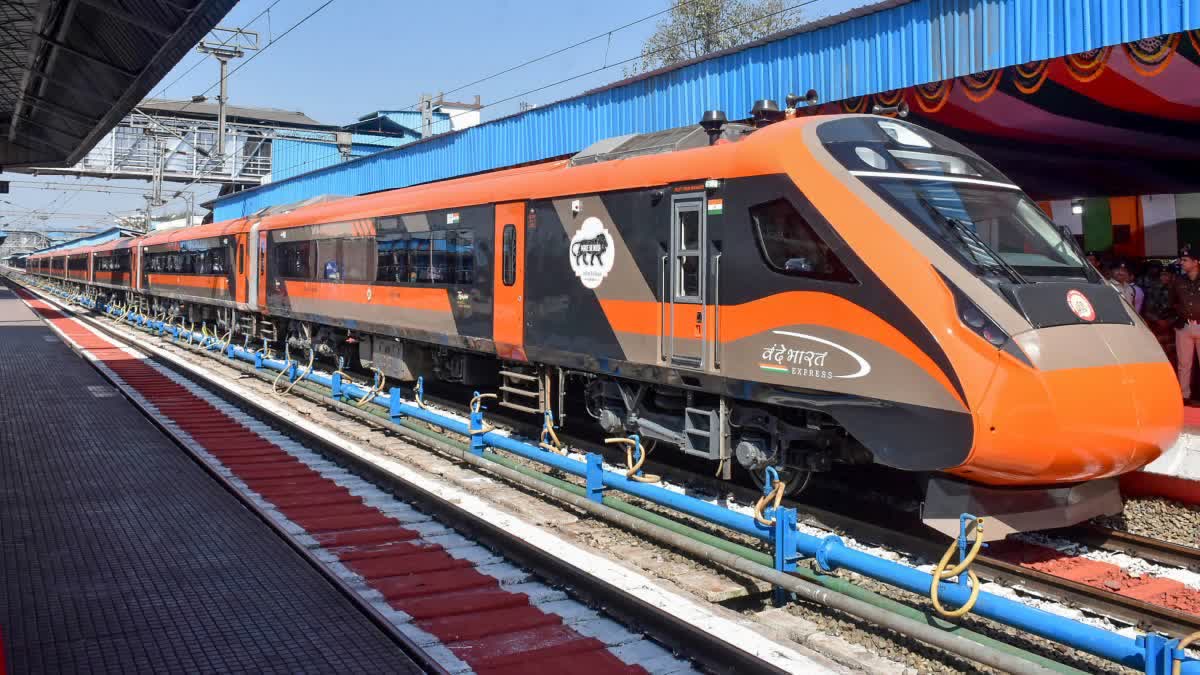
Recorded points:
(592,253)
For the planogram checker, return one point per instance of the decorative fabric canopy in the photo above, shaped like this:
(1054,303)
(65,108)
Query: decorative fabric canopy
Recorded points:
(1120,120)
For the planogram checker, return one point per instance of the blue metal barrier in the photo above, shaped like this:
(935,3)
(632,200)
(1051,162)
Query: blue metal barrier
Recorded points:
(1151,653)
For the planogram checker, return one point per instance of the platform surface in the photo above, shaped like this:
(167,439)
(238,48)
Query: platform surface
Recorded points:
(119,553)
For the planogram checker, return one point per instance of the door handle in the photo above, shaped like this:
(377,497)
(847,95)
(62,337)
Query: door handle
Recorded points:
(700,317)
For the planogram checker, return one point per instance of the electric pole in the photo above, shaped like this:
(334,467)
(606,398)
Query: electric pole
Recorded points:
(225,44)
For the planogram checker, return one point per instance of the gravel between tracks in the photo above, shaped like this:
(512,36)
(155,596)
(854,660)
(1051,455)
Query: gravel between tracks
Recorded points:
(1159,518)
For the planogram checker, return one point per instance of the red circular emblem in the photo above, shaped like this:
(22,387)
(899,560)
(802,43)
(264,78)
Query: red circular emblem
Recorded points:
(1081,306)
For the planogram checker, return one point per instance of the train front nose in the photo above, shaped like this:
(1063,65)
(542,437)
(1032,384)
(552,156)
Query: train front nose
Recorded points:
(1100,401)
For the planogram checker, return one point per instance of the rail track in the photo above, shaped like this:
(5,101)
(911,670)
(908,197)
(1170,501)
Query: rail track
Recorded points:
(908,536)
(1139,546)
(677,634)
(912,541)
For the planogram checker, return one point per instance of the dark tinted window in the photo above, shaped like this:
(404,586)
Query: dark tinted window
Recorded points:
(194,261)
(118,261)
(435,257)
(356,257)
(292,260)
(510,255)
(78,264)
(791,246)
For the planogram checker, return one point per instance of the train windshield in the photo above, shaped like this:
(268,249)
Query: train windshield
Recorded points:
(997,231)
(959,200)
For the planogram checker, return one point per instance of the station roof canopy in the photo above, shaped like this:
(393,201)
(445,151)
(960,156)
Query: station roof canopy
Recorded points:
(71,69)
(266,116)
(1071,98)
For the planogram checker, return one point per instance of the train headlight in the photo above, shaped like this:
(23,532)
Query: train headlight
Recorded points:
(972,317)
(903,134)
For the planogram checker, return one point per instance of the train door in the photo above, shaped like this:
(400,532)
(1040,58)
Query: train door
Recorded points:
(256,254)
(687,314)
(508,309)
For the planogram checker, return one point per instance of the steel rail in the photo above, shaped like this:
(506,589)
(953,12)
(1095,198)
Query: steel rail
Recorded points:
(829,550)
(717,656)
(1154,550)
(908,538)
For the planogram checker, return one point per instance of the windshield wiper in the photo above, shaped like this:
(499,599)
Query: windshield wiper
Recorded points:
(971,240)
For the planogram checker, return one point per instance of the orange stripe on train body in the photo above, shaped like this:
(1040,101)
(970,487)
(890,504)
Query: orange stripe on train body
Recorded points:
(216,282)
(781,309)
(405,297)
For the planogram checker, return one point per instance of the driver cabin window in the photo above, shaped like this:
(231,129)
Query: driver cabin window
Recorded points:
(790,245)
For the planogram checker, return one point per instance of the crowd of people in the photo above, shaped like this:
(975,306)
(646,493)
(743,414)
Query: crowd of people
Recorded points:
(1167,296)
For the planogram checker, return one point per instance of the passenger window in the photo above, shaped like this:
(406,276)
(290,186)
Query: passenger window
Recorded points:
(510,255)
(464,246)
(790,245)
(356,256)
(444,257)
(294,260)
(392,263)
(418,258)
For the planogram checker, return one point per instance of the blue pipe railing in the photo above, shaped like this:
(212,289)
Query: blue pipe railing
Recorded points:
(1150,653)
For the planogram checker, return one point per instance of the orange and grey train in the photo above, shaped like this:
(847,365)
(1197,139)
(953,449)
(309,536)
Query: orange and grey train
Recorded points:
(815,291)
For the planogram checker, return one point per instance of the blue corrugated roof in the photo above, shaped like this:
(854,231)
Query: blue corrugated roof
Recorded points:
(290,157)
(91,239)
(901,46)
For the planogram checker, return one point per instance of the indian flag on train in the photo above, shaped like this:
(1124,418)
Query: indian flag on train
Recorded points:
(1152,226)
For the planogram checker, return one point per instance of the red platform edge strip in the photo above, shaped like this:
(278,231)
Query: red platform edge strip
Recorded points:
(1104,576)
(487,627)
(1148,484)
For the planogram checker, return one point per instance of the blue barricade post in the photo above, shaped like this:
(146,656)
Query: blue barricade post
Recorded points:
(394,403)
(335,387)
(784,538)
(595,477)
(477,431)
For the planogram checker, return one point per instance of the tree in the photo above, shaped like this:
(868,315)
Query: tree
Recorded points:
(693,29)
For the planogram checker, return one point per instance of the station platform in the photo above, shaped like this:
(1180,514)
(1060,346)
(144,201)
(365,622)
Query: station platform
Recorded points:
(118,552)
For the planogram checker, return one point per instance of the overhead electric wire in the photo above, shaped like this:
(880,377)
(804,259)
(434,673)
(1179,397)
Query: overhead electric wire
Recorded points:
(590,72)
(231,73)
(556,52)
(222,44)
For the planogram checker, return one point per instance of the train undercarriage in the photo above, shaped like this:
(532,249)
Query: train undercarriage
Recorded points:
(733,434)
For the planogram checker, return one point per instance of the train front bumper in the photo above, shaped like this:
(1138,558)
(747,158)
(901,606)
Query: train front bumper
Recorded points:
(1016,509)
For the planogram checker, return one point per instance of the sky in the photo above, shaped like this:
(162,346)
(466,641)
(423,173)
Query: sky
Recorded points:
(353,57)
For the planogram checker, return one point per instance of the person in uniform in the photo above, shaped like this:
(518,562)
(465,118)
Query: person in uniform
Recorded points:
(1158,310)
(1185,300)
(1122,280)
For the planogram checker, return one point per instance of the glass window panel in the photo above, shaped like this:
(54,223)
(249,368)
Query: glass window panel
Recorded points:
(510,255)
(418,258)
(791,246)
(465,271)
(689,230)
(689,276)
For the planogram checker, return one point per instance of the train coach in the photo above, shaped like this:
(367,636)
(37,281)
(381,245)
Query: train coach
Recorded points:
(799,292)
